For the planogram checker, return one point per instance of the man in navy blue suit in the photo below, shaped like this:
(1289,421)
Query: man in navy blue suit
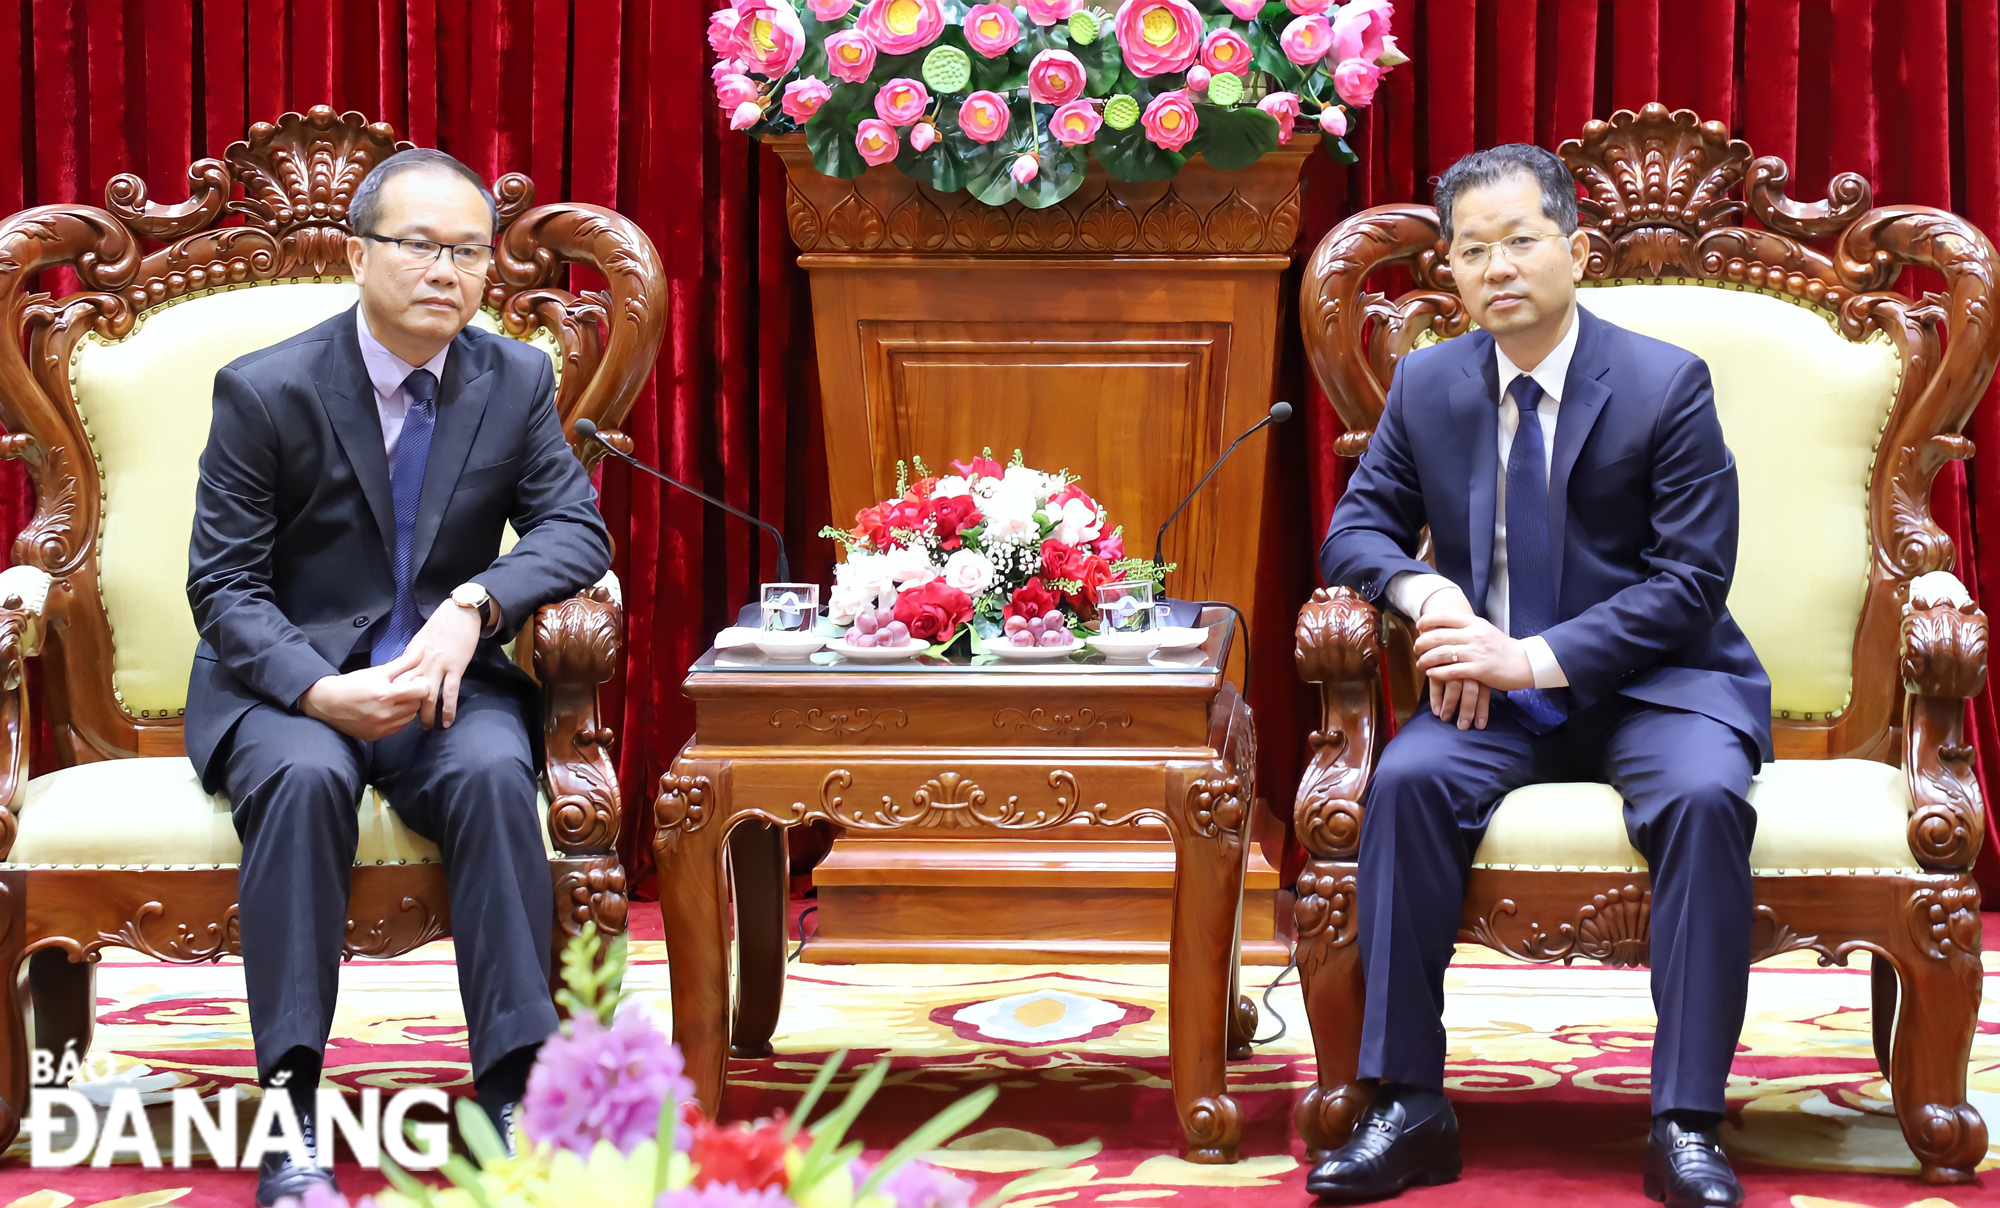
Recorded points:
(1582,508)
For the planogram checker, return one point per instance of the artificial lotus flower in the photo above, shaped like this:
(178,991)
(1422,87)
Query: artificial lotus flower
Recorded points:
(1197,78)
(1305,40)
(877,141)
(902,101)
(1355,81)
(1158,36)
(1245,10)
(991,29)
(922,135)
(803,97)
(733,90)
(1170,119)
(1055,78)
(1024,169)
(850,56)
(1076,123)
(1052,12)
(984,116)
(900,27)
(769,38)
(1366,22)
(830,10)
(1225,50)
(1284,106)
(1333,120)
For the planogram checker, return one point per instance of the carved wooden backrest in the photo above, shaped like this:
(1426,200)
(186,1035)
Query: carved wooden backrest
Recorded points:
(1668,202)
(278,269)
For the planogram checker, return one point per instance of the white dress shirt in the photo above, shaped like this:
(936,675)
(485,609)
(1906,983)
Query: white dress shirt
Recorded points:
(386,372)
(1408,590)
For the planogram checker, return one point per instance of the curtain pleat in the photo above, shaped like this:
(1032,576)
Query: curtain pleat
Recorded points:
(608,101)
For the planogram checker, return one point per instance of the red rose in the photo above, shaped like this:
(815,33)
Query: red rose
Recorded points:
(1111,548)
(1094,573)
(934,611)
(920,490)
(952,516)
(752,1158)
(1061,560)
(905,515)
(1030,601)
(979,467)
(871,526)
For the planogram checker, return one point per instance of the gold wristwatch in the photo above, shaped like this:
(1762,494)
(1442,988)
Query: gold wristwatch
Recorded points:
(475,597)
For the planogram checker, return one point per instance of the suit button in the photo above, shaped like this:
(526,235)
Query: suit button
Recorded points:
(361,622)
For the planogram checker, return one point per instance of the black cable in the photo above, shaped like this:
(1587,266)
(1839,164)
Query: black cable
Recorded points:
(1290,965)
(814,909)
(1242,627)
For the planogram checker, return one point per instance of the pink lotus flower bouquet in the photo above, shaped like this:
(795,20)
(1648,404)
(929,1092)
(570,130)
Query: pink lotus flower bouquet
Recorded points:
(1010,101)
(608,1122)
(987,549)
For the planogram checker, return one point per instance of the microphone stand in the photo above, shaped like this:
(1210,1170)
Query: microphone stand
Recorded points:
(588,430)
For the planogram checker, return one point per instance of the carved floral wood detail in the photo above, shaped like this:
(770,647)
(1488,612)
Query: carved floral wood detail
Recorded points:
(415,924)
(842,723)
(1067,723)
(1943,664)
(148,930)
(951,799)
(578,642)
(1201,211)
(592,893)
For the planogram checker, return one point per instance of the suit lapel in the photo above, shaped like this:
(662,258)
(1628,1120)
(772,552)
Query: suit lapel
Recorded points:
(349,400)
(1474,412)
(461,406)
(1584,396)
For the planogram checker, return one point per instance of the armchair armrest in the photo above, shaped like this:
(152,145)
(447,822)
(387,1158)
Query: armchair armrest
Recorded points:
(577,643)
(1339,647)
(1944,664)
(24,594)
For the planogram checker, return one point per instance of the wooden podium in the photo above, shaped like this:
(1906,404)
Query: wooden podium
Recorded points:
(1127,334)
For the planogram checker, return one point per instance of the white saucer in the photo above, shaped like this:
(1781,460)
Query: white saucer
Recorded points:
(876,654)
(1001,648)
(1182,637)
(1127,647)
(788,647)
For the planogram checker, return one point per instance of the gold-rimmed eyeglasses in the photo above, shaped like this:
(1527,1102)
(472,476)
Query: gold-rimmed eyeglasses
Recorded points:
(466,257)
(1475,256)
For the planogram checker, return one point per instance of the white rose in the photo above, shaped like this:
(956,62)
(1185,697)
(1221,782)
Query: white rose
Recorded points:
(909,568)
(1030,482)
(845,603)
(950,487)
(969,571)
(869,575)
(1010,515)
(1076,523)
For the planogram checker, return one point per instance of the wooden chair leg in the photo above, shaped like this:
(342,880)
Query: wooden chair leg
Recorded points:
(14,1066)
(758,868)
(64,994)
(1882,1002)
(692,816)
(1937,957)
(1330,980)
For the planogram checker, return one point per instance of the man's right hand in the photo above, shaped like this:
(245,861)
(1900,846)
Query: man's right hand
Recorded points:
(370,703)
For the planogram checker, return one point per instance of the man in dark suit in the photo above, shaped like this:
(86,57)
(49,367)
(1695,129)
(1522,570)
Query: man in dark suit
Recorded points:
(346,578)
(1583,512)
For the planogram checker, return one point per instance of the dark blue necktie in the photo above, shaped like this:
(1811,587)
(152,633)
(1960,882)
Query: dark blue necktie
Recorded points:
(1531,579)
(406,486)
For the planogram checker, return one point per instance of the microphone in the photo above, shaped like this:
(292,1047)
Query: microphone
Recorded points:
(1280,412)
(588,430)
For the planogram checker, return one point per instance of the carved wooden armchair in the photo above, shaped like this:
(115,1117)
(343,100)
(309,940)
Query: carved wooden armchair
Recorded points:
(1840,401)
(110,410)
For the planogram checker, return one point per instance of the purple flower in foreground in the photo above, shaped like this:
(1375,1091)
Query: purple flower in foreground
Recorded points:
(604,1084)
(917,1185)
(722,1195)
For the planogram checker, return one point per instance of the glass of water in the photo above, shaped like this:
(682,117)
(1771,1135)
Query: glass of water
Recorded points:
(791,607)
(1129,608)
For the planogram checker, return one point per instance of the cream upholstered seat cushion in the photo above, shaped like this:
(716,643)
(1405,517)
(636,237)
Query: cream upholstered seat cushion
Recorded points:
(145,402)
(1814,816)
(1803,409)
(153,813)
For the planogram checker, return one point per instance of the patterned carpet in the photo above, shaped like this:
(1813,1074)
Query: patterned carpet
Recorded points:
(1548,1072)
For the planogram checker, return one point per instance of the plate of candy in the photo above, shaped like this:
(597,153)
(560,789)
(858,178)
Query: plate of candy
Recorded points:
(1033,640)
(878,637)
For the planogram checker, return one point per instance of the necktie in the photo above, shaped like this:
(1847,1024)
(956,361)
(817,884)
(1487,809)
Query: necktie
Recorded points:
(406,487)
(1531,581)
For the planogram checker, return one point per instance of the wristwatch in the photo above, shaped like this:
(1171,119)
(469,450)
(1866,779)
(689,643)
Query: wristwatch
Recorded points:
(475,597)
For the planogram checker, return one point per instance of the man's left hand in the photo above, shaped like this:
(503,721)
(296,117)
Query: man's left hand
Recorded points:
(1473,650)
(444,649)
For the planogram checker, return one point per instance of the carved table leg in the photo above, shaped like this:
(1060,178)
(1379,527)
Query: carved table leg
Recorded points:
(1330,980)
(64,993)
(759,870)
(14,1067)
(692,818)
(1212,820)
(1937,956)
(1882,1008)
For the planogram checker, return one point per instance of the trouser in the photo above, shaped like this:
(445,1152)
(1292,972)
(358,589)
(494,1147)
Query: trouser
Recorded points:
(1684,778)
(294,785)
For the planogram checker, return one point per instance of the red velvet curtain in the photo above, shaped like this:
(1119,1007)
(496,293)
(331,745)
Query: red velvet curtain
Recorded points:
(608,101)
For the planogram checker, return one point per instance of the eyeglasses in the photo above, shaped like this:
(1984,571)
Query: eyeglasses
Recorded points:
(1473,256)
(466,257)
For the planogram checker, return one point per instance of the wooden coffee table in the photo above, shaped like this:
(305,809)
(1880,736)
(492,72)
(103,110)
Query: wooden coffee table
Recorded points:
(938,750)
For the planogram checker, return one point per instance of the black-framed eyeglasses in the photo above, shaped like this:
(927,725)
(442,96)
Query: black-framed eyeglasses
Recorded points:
(467,257)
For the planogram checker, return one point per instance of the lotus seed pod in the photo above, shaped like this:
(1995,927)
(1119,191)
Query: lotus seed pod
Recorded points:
(1121,112)
(1083,27)
(947,69)
(1225,89)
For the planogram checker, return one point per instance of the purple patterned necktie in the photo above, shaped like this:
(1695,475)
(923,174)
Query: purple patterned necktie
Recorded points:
(406,486)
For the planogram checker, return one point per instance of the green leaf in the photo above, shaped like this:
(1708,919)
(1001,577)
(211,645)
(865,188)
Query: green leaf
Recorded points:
(1340,151)
(832,1131)
(1271,58)
(1233,138)
(1130,155)
(810,1099)
(943,165)
(465,1176)
(663,1143)
(480,1136)
(931,1134)
(1102,63)
(830,133)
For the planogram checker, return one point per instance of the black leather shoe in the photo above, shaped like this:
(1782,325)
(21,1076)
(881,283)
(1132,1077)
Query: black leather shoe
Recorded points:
(1391,1149)
(278,1176)
(1687,1169)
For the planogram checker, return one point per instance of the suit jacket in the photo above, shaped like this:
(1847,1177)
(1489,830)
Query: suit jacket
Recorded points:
(1642,516)
(291,567)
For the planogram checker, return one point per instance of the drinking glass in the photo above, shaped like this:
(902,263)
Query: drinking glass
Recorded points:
(791,607)
(1128,607)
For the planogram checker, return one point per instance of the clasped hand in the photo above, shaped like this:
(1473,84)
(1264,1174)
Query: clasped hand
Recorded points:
(375,702)
(1465,659)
